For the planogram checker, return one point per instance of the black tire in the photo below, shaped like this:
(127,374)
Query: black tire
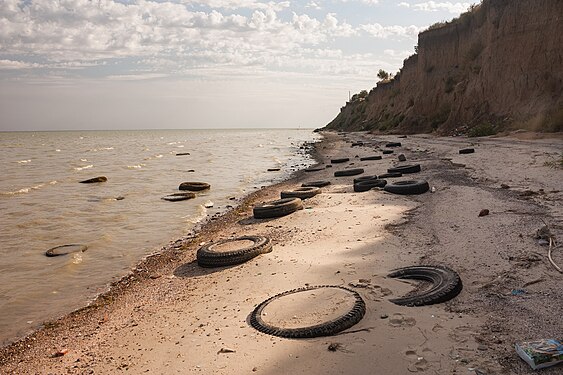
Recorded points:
(94,180)
(374,157)
(176,197)
(314,169)
(349,172)
(404,169)
(65,249)
(387,152)
(365,178)
(316,184)
(446,284)
(467,151)
(393,144)
(329,328)
(402,136)
(302,192)
(391,175)
(341,160)
(408,187)
(368,185)
(194,186)
(208,257)
(277,208)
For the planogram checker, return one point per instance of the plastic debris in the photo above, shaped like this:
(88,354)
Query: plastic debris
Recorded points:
(541,353)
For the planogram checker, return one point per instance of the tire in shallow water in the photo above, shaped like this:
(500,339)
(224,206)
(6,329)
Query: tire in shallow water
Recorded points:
(467,151)
(65,249)
(408,187)
(94,180)
(194,186)
(404,169)
(368,185)
(341,160)
(176,197)
(302,192)
(375,157)
(316,184)
(445,284)
(331,327)
(277,208)
(391,175)
(208,256)
(349,172)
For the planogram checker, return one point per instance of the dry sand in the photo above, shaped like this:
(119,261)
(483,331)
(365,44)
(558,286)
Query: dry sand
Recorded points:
(171,316)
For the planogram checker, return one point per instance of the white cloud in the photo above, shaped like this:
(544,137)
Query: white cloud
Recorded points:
(383,32)
(404,5)
(313,5)
(13,65)
(433,6)
(367,2)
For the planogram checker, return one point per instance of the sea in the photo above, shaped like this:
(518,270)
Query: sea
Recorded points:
(122,220)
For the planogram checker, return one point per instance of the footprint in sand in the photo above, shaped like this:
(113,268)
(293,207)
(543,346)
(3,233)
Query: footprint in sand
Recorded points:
(418,361)
(399,320)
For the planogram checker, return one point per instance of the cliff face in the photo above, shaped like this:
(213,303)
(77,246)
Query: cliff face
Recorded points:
(499,65)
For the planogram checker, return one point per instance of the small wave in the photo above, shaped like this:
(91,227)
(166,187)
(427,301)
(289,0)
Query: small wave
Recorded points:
(58,150)
(200,215)
(158,156)
(139,166)
(23,190)
(106,148)
(85,167)
(53,182)
(180,146)
(24,161)
(83,159)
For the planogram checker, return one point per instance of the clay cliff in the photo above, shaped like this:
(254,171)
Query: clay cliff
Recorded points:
(498,66)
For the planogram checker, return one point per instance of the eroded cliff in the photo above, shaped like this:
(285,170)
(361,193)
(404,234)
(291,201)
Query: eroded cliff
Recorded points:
(497,66)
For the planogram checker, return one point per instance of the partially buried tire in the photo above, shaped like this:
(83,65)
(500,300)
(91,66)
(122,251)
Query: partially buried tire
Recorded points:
(349,172)
(346,308)
(277,208)
(391,175)
(316,184)
(368,185)
(176,197)
(302,192)
(408,187)
(65,249)
(387,152)
(341,160)
(393,144)
(222,253)
(445,284)
(194,186)
(467,151)
(365,178)
(404,169)
(375,157)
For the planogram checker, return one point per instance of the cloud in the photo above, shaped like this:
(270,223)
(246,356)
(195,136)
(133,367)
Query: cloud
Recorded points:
(433,6)
(383,32)
(13,65)
(367,2)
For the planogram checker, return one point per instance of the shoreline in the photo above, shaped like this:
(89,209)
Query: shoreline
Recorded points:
(344,238)
(171,252)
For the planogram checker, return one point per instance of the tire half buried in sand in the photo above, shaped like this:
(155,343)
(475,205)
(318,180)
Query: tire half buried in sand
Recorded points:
(65,249)
(232,251)
(277,208)
(313,311)
(194,186)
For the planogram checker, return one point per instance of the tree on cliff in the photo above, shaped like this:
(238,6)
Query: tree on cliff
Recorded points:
(383,75)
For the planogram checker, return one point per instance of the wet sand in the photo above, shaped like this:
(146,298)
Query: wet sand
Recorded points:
(171,316)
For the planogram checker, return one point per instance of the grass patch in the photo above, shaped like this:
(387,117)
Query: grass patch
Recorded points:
(482,130)
(555,162)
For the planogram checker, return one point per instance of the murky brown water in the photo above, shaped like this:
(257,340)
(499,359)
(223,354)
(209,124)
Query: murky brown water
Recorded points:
(42,205)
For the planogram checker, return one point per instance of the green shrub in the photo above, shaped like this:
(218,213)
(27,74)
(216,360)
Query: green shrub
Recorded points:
(482,130)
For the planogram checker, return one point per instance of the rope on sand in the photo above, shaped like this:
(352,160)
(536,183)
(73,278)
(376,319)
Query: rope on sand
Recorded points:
(551,246)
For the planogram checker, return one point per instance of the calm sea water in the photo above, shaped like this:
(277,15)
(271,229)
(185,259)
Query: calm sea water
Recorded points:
(42,205)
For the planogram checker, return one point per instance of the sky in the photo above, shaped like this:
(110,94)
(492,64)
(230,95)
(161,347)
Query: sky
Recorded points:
(194,64)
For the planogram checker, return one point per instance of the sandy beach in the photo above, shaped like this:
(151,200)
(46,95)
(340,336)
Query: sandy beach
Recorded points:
(171,316)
